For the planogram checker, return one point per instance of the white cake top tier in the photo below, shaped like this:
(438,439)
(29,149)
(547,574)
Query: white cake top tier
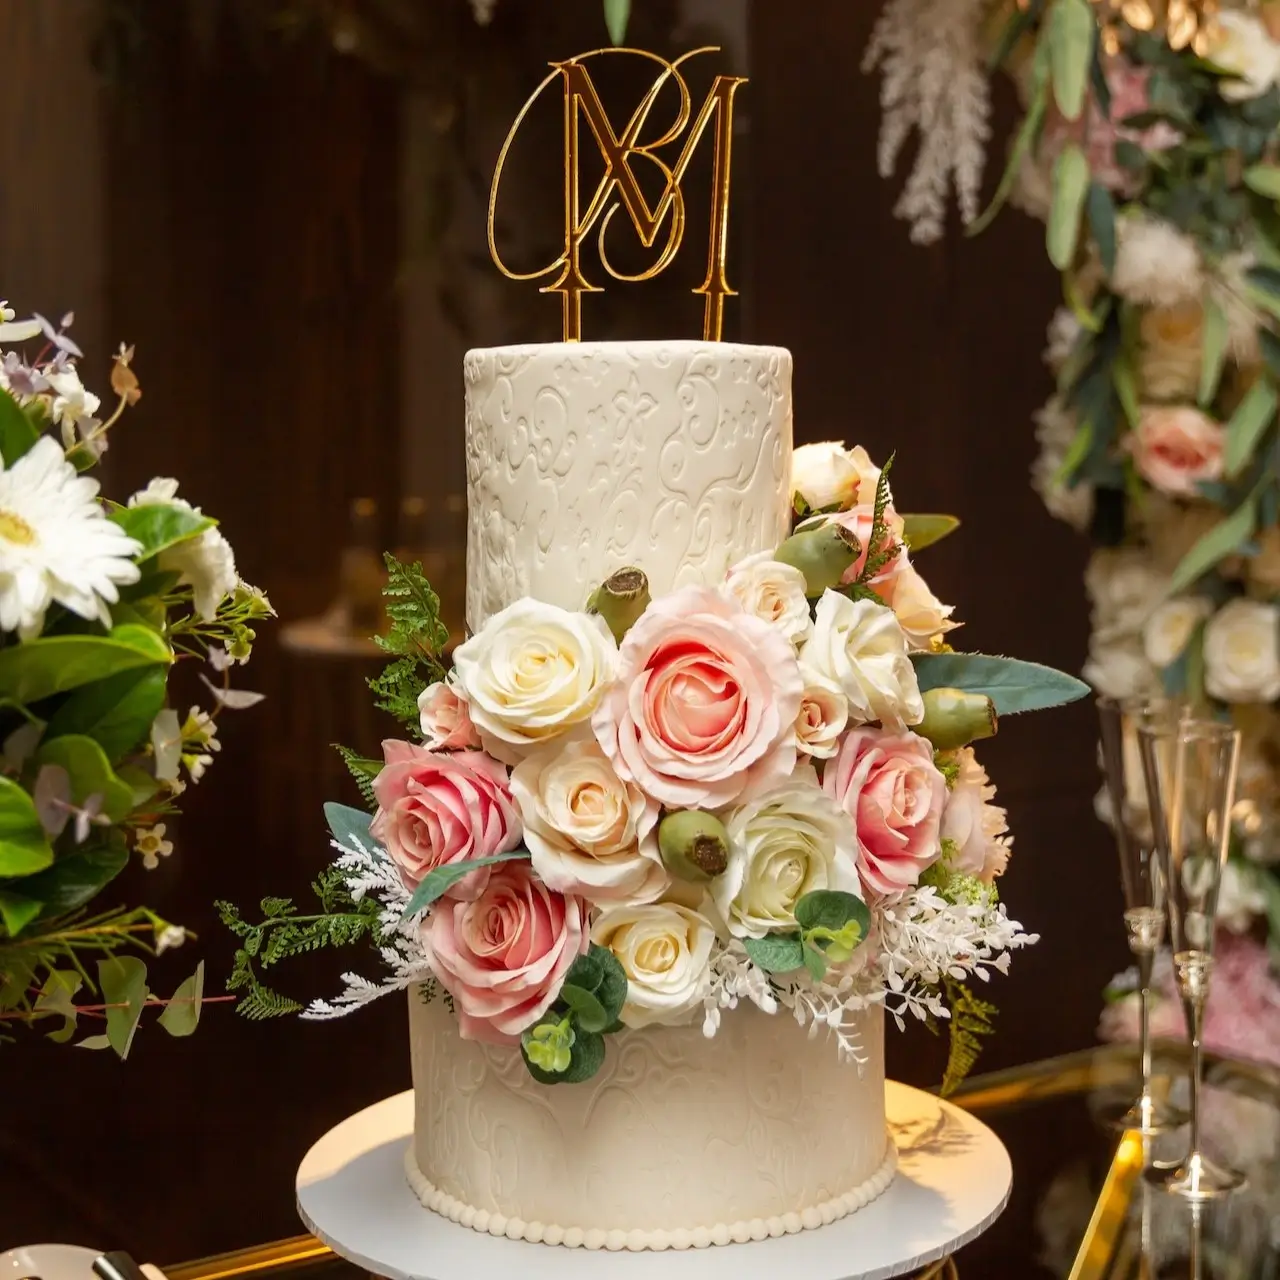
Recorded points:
(585,458)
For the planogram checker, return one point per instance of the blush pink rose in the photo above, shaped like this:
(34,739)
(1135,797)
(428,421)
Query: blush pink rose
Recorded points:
(1177,446)
(435,809)
(858,521)
(504,956)
(887,783)
(705,702)
(446,719)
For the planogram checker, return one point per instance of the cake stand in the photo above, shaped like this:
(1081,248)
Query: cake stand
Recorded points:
(953,1181)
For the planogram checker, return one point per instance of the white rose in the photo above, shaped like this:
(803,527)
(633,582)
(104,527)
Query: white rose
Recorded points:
(665,951)
(829,475)
(533,672)
(1242,652)
(1170,627)
(1241,899)
(587,832)
(773,591)
(859,645)
(783,844)
(1245,47)
(1124,587)
(824,713)
(978,828)
(1119,668)
(920,613)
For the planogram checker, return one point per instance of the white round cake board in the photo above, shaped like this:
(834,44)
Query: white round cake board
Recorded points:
(953,1181)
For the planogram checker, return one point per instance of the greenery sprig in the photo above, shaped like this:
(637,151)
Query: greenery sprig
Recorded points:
(971,1021)
(417,637)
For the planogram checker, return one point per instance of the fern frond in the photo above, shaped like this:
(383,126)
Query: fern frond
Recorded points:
(363,770)
(417,637)
(396,692)
(881,547)
(262,1002)
(970,1022)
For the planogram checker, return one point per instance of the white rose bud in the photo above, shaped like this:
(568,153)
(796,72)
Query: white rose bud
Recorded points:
(1170,628)
(1242,652)
(859,645)
(783,844)
(829,475)
(824,713)
(588,833)
(773,591)
(665,951)
(533,672)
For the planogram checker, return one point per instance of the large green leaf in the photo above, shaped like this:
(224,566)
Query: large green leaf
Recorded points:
(1213,351)
(1071,33)
(1012,685)
(123,980)
(17,432)
(76,878)
(436,883)
(116,712)
(182,1014)
(1264,179)
(17,910)
(54,664)
(158,526)
(1251,418)
(1070,184)
(24,847)
(923,531)
(90,772)
(1102,222)
(1224,539)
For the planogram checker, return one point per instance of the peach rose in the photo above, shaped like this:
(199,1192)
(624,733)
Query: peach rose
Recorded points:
(446,719)
(435,809)
(887,783)
(1177,446)
(705,702)
(858,521)
(503,958)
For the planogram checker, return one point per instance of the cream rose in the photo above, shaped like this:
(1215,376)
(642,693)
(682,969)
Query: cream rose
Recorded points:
(824,713)
(773,591)
(1169,629)
(825,476)
(1119,668)
(665,951)
(1242,652)
(859,645)
(977,828)
(1169,357)
(1245,47)
(587,832)
(920,613)
(533,672)
(1124,587)
(783,844)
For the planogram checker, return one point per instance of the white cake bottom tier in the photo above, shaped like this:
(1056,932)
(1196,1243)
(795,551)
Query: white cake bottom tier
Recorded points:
(677,1142)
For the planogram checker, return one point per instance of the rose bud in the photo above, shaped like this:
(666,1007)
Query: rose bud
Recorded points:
(823,555)
(620,599)
(954,718)
(694,845)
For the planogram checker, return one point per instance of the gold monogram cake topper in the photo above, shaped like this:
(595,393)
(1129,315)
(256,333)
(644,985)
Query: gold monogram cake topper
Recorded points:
(618,187)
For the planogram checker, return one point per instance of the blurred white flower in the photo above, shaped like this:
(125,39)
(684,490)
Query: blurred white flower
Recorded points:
(1124,588)
(1055,429)
(1061,338)
(1171,626)
(1119,668)
(1241,898)
(171,936)
(1242,652)
(1156,264)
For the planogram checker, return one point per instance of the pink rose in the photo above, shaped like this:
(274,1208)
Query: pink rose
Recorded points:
(435,809)
(446,719)
(858,521)
(503,957)
(1175,447)
(978,827)
(705,702)
(887,783)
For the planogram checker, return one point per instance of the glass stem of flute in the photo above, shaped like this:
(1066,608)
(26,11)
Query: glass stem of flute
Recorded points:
(1194,968)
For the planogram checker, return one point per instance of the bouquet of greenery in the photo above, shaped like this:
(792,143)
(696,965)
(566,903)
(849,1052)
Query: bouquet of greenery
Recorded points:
(98,603)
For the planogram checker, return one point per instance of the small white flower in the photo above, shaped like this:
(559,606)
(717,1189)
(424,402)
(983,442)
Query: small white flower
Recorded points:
(824,713)
(860,646)
(1156,264)
(773,591)
(665,951)
(1061,338)
(171,936)
(1170,627)
(72,404)
(150,842)
(56,543)
(1245,47)
(1242,652)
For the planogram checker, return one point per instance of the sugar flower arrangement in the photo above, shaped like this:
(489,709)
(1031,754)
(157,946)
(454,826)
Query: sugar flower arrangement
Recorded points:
(98,603)
(651,809)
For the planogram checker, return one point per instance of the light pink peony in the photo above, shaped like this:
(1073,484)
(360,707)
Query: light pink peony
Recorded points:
(858,521)
(1177,446)
(446,719)
(503,957)
(705,702)
(888,784)
(435,809)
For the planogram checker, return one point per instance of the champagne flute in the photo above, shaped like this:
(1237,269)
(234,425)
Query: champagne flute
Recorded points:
(1142,882)
(1190,771)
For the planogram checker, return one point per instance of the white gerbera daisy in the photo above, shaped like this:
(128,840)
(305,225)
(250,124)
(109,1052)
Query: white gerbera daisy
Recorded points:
(56,543)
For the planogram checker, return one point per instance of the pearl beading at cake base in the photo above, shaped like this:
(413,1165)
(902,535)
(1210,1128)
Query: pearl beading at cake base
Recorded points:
(636,1241)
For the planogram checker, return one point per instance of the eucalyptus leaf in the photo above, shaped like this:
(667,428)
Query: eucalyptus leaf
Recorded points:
(40,668)
(90,772)
(1224,539)
(350,827)
(1264,179)
(588,1013)
(923,531)
(94,1042)
(437,882)
(116,713)
(616,15)
(832,909)
(1071,33)
(17,910)
(182,1014)
(77,878)
(1077,452)
(17,432)
(123,981)
(24,847)
(776,952)
(1126,386)
(612,991)
(157,526)
(1070,183)
(1252,417)
(1213,355)
(1012,685)
(1102,223)
(57,997)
